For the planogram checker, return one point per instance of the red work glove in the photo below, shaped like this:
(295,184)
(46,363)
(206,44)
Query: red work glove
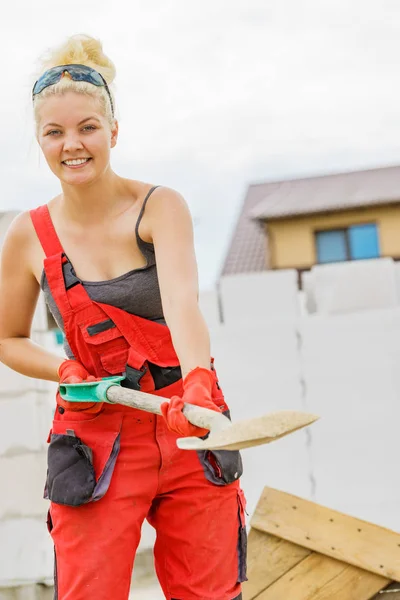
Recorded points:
(197,389)
(72,371)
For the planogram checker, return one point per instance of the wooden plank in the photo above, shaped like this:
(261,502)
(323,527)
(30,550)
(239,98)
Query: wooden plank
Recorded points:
(353,584)
(319,577)
(268,558)
(305,579)
(329,532)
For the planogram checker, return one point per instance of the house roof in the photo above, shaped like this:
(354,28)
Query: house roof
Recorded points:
(326,193)
(247,251)
(247,248)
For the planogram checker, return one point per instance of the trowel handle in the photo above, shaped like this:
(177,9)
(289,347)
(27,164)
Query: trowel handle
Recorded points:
(109,390)
(197,415)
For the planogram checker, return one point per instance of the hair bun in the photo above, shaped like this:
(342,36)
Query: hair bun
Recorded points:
(84,50)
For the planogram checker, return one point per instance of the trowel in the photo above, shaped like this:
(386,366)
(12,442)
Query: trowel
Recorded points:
(224,435)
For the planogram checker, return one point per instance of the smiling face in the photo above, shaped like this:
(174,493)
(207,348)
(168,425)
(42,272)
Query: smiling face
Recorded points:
(75,137)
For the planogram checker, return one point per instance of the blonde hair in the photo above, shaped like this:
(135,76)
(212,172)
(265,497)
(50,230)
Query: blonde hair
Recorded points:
(84,50)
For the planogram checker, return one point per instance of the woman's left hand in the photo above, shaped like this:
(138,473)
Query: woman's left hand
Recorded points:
(197,388)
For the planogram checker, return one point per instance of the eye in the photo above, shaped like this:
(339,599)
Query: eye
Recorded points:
(89,128)
(53,132)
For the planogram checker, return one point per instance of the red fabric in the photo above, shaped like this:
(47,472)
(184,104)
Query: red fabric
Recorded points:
(197,389)
(197,522)
(196,552)
(132,341)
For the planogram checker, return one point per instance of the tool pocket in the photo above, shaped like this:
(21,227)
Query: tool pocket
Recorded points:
(242,538)
(106,340)
(221,467)
(80,467)
(70,474)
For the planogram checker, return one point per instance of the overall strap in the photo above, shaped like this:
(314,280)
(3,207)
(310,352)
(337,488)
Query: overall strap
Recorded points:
(66,288)
(45,231)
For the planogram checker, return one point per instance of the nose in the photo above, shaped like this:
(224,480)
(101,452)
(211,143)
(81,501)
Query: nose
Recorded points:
(72,142)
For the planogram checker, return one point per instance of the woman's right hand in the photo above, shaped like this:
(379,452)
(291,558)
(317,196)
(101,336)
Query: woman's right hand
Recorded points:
(72,371)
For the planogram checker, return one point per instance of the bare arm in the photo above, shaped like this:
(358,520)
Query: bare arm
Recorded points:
(171,229)
(19,293)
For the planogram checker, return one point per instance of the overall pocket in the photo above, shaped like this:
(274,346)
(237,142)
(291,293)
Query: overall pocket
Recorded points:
(106,341)
(70,474)
(81,458)
(221,467)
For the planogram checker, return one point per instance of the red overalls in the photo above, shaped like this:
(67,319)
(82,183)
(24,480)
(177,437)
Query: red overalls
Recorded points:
(127,463)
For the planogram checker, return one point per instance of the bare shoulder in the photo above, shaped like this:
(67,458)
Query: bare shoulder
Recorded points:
(21,230)
(20,241)
(167,201)
(166,209)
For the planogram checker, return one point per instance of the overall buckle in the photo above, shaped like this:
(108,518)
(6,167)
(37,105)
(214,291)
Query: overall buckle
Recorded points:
(133,377)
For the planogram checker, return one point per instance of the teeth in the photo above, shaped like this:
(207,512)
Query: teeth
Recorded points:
(76,161)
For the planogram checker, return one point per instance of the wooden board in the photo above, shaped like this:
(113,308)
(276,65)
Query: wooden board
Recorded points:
(329,532)
(268,558)
(352,584)
(319,577)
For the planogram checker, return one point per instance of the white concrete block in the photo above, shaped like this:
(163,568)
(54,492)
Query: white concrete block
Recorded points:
(355,342)
(151,592)
(6,219)
(28,592)
(209,306)
(13,383)
(283,464)
(355,285)
(259,297)
(24,424)
(148,537)
(22,493)
(40,320)
(47,339)
(308,286)
(26,552)
(352,381)
(397,276)
(259,371)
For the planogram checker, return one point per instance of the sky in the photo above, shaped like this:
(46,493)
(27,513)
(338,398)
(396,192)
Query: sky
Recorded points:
(215,95)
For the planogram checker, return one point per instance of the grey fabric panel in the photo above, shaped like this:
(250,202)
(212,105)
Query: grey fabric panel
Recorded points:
(104,480)
(137,292)
(53,308)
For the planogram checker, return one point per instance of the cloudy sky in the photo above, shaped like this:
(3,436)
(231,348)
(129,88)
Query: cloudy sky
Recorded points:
(214,95)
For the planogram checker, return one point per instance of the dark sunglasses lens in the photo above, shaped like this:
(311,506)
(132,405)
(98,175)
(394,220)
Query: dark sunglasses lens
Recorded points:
(49,78)
(76,73)
(81,74)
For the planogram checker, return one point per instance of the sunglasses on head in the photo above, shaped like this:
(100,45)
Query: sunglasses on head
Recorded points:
(77,73)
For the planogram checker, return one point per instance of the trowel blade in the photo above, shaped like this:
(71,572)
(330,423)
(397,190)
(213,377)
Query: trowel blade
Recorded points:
(251,432)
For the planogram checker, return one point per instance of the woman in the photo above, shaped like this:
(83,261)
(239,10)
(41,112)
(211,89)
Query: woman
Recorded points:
(115,260)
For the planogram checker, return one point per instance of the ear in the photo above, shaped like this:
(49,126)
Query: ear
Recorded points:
(114,134)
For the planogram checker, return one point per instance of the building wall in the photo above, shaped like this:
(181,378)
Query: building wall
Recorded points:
(342,365)
(292,241)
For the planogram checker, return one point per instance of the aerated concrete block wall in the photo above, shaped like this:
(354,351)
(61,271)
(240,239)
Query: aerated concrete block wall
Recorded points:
(26,552)
(340,361)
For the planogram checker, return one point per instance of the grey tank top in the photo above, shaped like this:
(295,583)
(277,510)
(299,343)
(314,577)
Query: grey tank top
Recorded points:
(137,292)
